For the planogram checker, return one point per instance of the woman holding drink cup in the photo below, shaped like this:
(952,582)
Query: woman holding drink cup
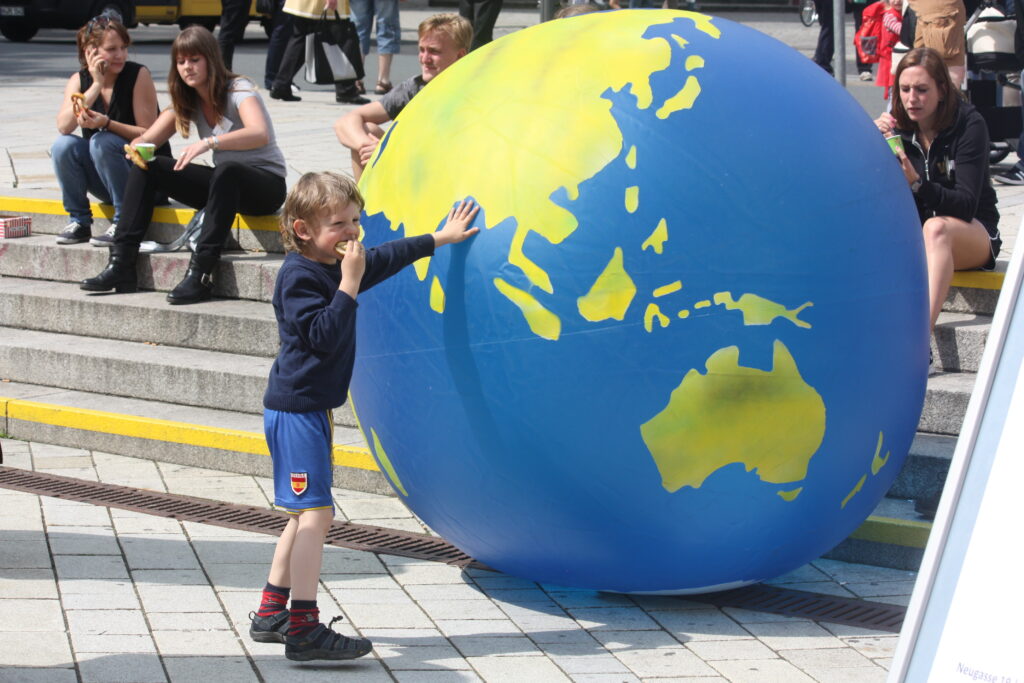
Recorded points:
(113,101)
(942,145)
(247,175)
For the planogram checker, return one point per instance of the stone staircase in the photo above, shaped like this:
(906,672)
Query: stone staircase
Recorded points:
(130,374)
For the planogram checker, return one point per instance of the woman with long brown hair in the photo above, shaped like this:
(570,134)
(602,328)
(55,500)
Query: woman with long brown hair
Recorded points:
(247,176)
(946,147)
(111,100)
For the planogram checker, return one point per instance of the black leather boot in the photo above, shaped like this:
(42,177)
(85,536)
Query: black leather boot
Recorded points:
(119,275)
(198,282)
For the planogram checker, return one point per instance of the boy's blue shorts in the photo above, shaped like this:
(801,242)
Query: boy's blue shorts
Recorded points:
(300,449)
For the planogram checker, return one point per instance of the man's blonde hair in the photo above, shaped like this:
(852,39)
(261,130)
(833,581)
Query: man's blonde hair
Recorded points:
(312,198)
(454,26)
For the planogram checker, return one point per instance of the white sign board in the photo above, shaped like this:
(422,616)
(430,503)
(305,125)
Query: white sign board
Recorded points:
(965,621)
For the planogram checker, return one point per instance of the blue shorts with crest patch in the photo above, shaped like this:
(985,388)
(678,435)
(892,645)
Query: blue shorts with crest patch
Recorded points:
(300,449)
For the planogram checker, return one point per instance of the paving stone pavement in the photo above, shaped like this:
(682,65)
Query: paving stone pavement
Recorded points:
(107,595)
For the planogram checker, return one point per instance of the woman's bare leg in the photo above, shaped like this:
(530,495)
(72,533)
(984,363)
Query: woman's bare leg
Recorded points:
(951,244)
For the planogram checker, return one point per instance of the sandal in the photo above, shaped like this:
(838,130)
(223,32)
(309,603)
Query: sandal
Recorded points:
(383,87)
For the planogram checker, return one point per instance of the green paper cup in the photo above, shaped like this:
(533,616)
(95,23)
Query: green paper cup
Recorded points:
(146,150)
(895,143)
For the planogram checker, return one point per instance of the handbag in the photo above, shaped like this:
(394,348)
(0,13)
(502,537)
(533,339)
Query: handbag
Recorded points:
(332,52)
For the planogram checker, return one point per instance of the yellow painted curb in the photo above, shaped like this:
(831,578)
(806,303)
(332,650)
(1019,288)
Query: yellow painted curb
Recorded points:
(167,431)
(978,279)
(892,531)
(161,214)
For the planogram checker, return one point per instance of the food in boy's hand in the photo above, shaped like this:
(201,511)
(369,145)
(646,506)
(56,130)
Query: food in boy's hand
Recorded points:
(135,157)
(340,248)
(78,104)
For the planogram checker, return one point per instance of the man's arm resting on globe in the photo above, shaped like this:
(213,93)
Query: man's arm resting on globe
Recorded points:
(355,128)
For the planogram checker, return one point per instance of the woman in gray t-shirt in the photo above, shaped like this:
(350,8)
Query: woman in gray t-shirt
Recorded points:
(247,176)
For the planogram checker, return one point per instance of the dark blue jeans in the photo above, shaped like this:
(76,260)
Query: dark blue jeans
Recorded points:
(95,166)
(280,31)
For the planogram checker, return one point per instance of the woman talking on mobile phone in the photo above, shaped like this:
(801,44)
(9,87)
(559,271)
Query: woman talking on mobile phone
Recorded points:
(247,174)
(112,100)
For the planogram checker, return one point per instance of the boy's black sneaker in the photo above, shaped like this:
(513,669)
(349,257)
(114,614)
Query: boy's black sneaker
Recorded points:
(270,629)
(323,643)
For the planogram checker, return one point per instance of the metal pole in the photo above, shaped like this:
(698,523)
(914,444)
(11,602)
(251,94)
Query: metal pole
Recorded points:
(839,33)
(548,9)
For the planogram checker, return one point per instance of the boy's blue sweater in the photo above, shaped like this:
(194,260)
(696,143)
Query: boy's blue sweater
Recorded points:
(317,325)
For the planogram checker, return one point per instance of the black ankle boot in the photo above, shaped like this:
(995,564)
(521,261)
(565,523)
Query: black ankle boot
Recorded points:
(119,275)
(198,282)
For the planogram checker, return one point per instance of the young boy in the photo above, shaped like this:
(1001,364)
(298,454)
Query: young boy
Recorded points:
(315,305)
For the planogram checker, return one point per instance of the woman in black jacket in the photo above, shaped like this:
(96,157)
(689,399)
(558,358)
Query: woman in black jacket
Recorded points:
(946,165)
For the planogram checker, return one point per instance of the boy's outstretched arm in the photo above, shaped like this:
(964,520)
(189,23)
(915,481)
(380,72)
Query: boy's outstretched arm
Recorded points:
(384,261)
(456,229)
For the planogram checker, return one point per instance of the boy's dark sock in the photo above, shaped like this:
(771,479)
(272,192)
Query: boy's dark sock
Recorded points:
(303,618)
(274,600)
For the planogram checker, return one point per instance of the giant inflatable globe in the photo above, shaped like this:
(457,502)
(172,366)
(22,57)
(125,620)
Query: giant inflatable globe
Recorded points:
(687,350)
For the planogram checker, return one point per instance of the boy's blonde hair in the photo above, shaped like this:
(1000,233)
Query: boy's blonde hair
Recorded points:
(312,198)
(575,9)
(454,26)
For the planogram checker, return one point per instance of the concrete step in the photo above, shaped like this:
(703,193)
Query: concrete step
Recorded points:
(973,292)
(959,341)
(192,377)
(976,291)
(249,233)
(167,432)
(242,335)
(239,275)
(224,325)
(946,402)
(893,536)
(924,471)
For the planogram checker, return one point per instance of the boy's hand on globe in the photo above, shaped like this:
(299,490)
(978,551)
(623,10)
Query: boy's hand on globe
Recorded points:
(456,229)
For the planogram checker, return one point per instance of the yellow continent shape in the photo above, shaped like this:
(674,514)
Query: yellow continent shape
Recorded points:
(436,296)
(757,310)
(456,139)
(542,322)
(770,421)
(878,462)
(611,293)
(657,239)
(385,463)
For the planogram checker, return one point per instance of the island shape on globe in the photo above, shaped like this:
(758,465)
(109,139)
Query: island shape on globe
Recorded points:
(687,350)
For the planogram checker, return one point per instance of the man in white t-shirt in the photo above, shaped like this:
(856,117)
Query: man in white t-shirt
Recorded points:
(444,39)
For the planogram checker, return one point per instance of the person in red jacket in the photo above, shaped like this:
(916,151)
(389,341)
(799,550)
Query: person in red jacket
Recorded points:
(892,22)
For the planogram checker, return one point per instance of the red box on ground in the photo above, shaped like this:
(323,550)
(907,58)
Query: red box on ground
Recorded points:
(15,226)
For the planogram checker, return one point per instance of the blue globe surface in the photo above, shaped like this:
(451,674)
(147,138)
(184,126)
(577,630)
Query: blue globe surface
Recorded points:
(687,350)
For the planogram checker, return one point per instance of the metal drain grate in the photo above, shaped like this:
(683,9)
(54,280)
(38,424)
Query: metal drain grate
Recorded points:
(793,603)
(759,597)
(343,534)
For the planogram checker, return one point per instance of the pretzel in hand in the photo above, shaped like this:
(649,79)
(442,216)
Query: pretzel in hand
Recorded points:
(135,157)
(78,104)
(339,249)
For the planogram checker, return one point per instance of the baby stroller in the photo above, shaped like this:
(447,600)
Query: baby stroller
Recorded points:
(992,65)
